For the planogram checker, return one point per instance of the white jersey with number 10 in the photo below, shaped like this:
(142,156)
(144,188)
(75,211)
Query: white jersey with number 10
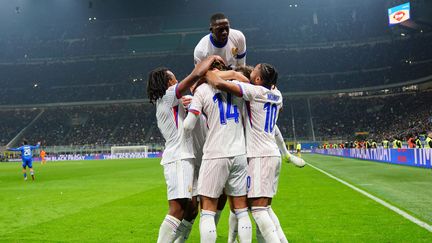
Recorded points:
(262,111)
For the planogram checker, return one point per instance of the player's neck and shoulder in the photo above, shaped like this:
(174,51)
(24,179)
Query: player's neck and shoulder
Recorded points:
(261,93)
(234,36)
(169,98)
(204,88)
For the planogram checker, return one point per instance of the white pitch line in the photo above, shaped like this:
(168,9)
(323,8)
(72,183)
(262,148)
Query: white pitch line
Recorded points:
(378,200)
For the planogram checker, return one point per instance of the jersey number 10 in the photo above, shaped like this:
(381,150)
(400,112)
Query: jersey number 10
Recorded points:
(270,121)
(231,110)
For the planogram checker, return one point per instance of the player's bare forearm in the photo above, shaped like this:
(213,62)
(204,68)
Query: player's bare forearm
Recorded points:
(232,75)
(198,72)
(220,84)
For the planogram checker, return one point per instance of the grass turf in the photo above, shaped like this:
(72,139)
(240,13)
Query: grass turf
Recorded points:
(125,201)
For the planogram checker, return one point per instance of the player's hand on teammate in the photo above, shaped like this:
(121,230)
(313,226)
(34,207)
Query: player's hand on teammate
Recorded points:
(186,100)
(202,67)
(299,162)
(211,78)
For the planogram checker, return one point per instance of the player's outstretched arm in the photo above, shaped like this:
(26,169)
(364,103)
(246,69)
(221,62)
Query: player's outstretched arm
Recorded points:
(14,149)
(220,84)
(198,72)
(37,145)
(286,155)
(232,75)
(281,143)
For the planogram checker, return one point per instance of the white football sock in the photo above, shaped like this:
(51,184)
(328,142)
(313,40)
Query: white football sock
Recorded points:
(244,225)
(265,224)
(233,224)
(183,231)
(259,236)
(207,227)
(276,222)
(217,216)
(168,229)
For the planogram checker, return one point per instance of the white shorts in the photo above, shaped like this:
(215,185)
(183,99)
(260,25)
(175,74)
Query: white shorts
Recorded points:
(179,178)
(195,177)
(217,174)
(263,176)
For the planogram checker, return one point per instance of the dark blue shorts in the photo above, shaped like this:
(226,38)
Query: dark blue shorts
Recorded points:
(27,162)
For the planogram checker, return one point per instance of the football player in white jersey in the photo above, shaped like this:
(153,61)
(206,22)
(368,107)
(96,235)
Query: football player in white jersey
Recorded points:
(230,44)
(177,159)
(224,163)
(263,105)
(199,134)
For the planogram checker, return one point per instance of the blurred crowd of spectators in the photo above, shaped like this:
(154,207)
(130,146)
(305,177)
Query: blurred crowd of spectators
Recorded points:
(316,69)
(313,50)
(379,117)
(382,117)
(121,124)
(90,37)
(96,59)
(13,121)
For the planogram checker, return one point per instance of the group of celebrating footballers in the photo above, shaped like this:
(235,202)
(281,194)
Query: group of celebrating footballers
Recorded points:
(222,141)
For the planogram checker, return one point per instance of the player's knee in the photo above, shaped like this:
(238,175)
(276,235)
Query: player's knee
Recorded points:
(177,208)
(258,202)
(240,202)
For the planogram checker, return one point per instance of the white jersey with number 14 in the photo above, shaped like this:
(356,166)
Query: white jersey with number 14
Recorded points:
(225,136)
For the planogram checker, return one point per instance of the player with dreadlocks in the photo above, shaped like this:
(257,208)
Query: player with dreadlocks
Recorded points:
(166,92)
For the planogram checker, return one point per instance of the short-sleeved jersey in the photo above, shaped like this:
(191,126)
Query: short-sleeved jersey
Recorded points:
(170,114)
(26,151)
(262,111)
(233,52)
(225,136)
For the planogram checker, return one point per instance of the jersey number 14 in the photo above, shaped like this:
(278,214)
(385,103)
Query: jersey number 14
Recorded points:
(231,110)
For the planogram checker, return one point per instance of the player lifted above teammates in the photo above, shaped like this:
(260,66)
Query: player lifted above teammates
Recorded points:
(177,159)
(230,44)
(27,157)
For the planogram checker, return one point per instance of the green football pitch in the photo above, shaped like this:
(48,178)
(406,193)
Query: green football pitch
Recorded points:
(125,201)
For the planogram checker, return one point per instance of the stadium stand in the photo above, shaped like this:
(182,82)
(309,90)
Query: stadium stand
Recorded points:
(107,60)
(384,116)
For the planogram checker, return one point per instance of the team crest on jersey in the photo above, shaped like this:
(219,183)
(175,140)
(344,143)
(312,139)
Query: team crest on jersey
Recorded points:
(234,51)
